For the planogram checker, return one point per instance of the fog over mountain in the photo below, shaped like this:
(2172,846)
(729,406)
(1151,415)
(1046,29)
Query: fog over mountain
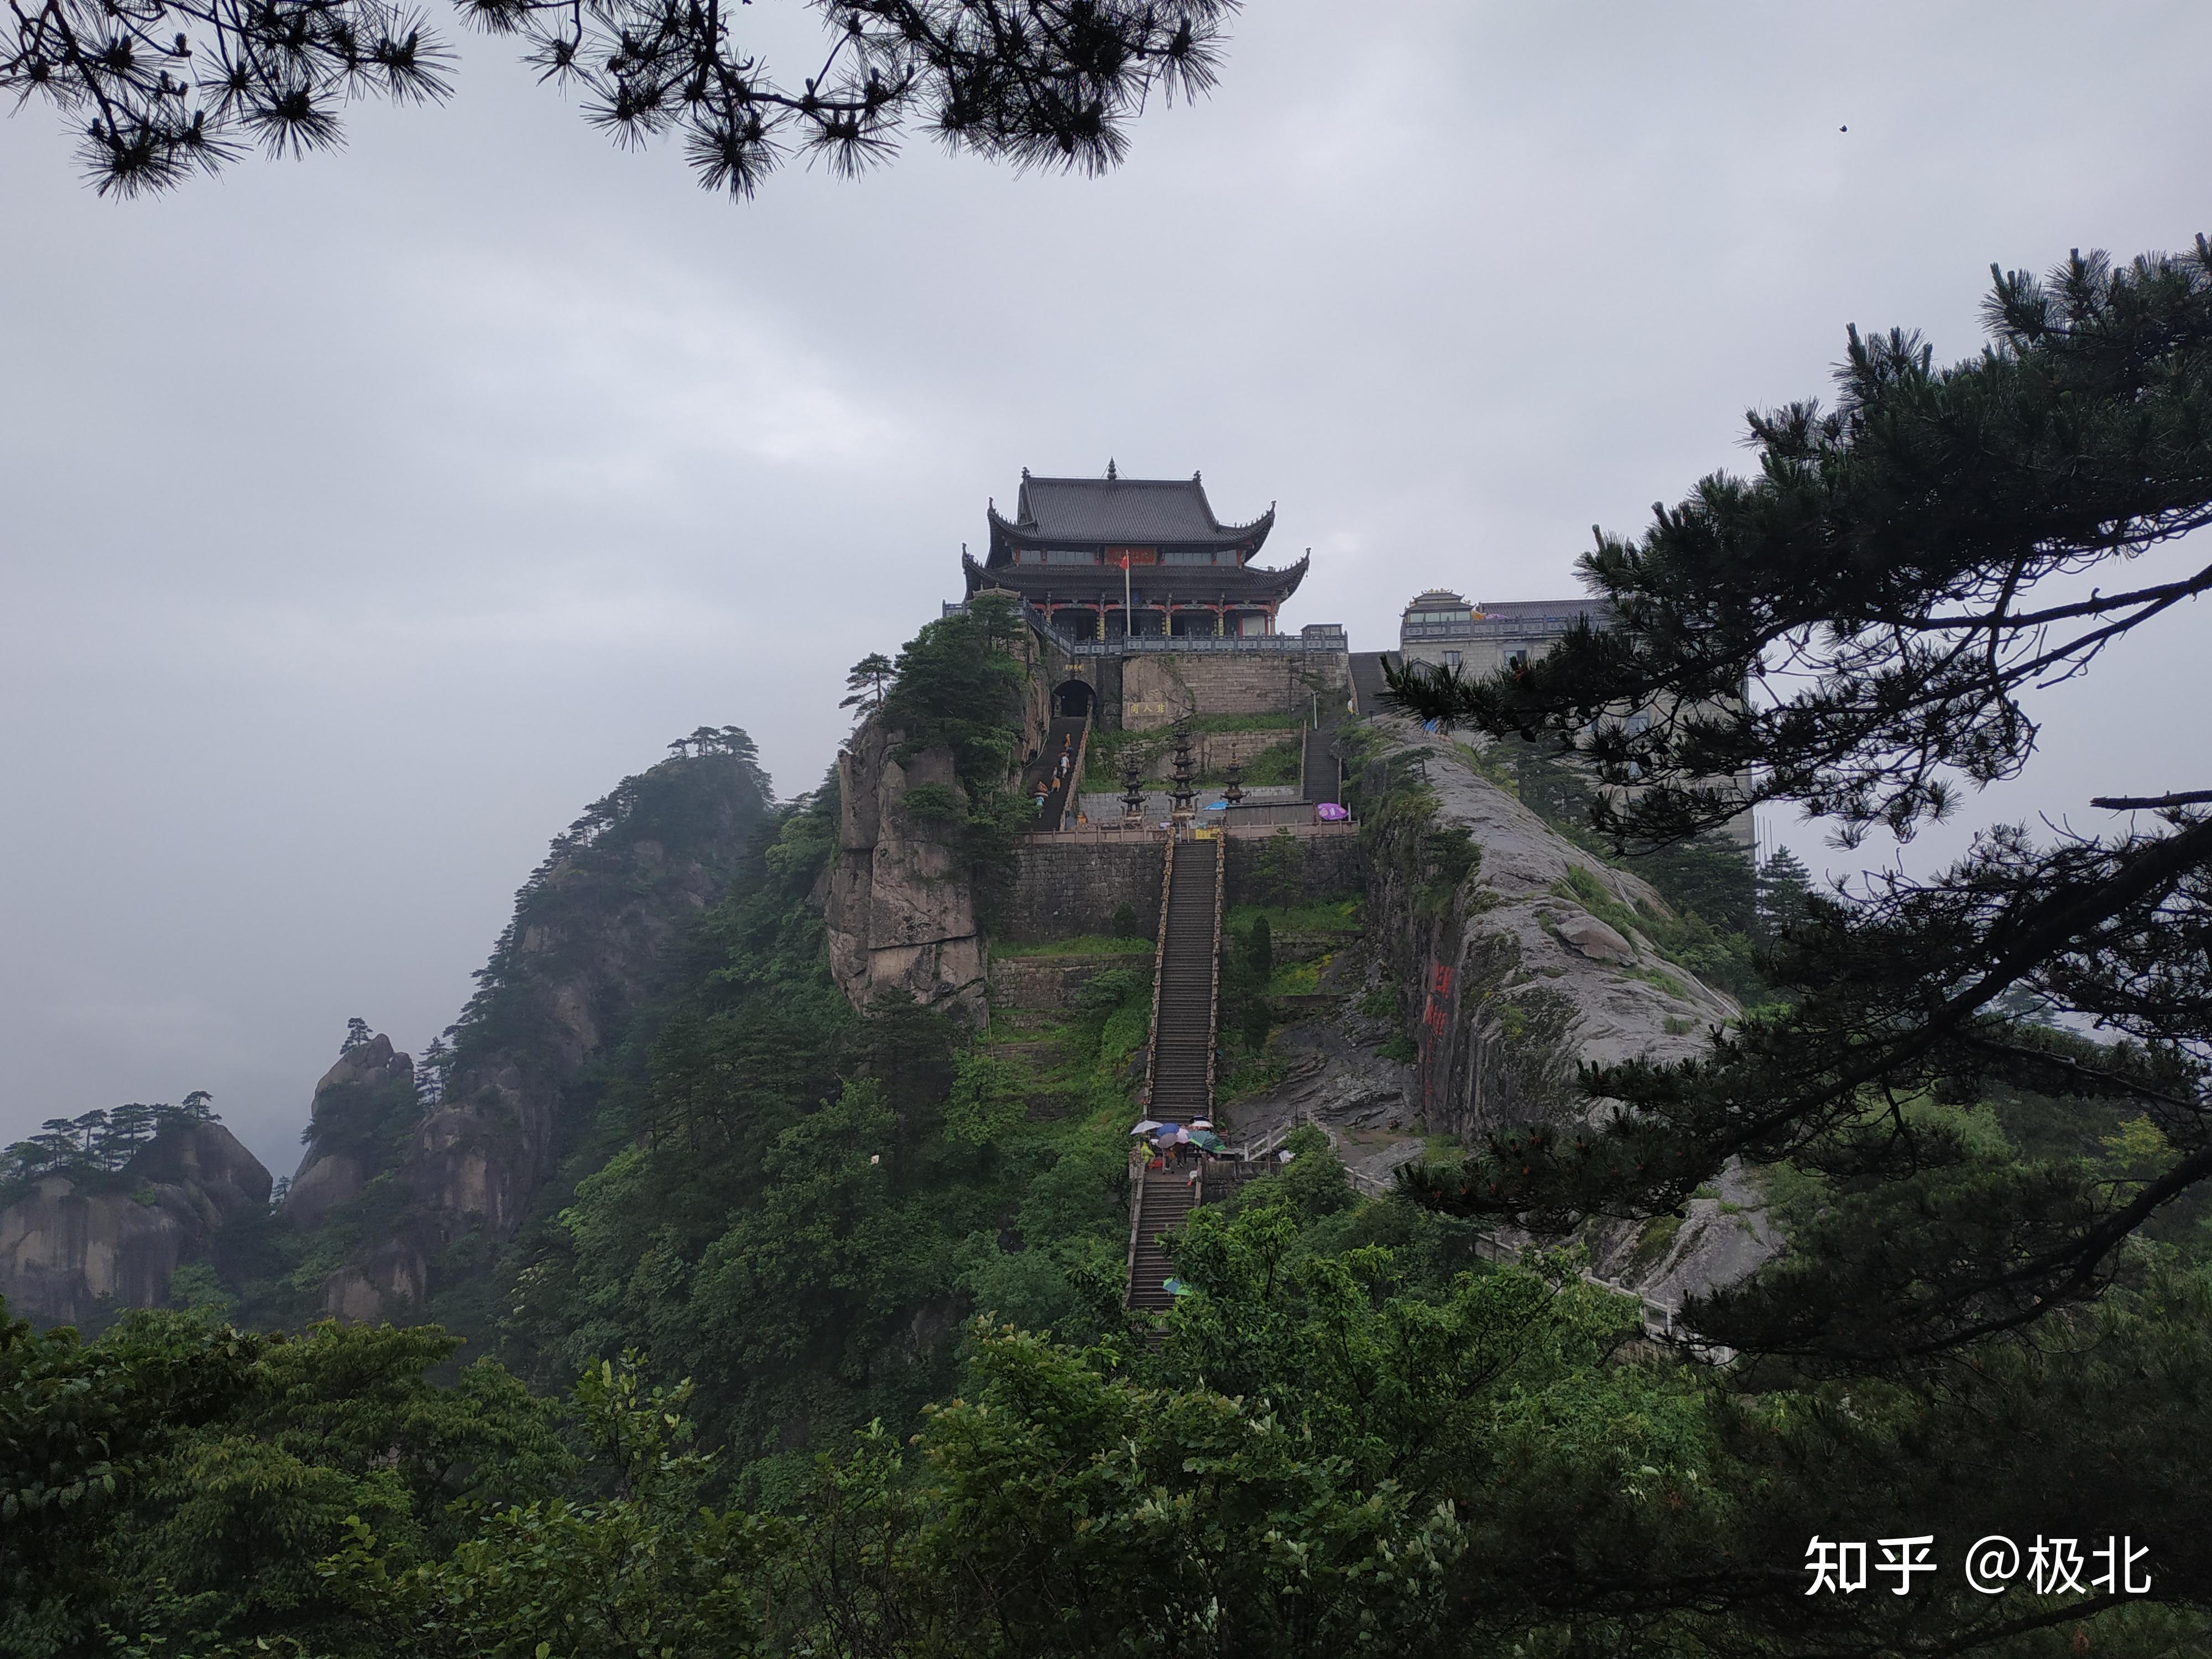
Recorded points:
(367,516)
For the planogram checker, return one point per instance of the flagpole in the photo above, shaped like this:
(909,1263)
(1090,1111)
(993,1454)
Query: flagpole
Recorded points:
(1127,608)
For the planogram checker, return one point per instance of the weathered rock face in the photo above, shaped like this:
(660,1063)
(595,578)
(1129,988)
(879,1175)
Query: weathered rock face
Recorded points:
(1515,982)
(79,1246)
(336,1165)
(595,935)
(900,911)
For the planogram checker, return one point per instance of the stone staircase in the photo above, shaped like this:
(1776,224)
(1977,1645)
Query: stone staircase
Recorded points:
(1367,679)
(1179,1076)
(1163,1200)
(1319,770)
(1179,1080)
(1074,733)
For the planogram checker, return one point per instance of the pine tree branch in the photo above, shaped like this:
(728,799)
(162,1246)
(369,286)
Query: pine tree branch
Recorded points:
(2132,803)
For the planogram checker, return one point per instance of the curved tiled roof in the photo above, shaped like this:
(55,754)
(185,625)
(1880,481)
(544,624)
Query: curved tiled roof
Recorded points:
(1137,512)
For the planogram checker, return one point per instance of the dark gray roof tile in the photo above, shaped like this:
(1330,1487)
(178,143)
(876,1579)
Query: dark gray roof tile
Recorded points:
(1140,512)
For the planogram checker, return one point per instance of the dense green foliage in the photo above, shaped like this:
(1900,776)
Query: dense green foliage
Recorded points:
(177,1484)
(801,1203)
(959,686)
(1356,1436)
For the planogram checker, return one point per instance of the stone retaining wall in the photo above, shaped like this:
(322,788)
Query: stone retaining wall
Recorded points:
(1063,890)
(1050,982)
(1329,865)
(1158,690)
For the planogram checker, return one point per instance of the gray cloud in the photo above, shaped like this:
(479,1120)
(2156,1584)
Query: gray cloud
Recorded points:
(366,516)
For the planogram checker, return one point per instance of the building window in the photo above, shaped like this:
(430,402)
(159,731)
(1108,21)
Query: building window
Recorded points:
(1069,555)
(1451,659)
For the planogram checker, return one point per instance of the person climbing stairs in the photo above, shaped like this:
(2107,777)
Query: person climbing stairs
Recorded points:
(1059,768)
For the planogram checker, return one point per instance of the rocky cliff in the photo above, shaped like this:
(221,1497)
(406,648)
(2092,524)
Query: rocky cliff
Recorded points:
(899,910)
(1488,923)
(596,935)
(81,1244)
(366,1097)
(1518,976)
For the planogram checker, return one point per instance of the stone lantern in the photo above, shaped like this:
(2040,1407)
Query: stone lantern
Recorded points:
(1133,794)
(1184,792)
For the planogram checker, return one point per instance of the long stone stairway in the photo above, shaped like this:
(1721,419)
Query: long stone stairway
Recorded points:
(1179,1080)
(1065,735)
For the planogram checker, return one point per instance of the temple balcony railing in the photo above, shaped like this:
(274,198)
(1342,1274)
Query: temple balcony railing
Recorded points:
(1324,637)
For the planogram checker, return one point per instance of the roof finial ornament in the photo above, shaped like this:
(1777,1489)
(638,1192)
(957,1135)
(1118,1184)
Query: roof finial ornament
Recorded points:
(1195,477)
(1110,472)
(1025,474)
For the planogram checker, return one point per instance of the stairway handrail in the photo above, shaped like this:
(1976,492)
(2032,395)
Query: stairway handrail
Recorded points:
(1136,1220)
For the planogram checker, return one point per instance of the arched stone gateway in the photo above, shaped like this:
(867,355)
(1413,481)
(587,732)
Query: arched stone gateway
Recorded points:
(1073,700)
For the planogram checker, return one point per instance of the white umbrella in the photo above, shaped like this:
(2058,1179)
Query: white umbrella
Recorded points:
(1147,1126)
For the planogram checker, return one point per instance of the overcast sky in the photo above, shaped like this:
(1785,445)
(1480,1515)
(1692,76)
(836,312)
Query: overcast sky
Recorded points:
(364,518)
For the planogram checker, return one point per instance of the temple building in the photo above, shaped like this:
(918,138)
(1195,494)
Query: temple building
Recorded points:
(1439,626)
(1116,558)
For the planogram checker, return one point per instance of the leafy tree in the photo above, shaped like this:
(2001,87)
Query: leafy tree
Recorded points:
(199,1105)
(988,1099)
(358,1035)
(960,687)
(864,683)
(164,87)
(231,1523)
(1875,586)
(79,1424)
